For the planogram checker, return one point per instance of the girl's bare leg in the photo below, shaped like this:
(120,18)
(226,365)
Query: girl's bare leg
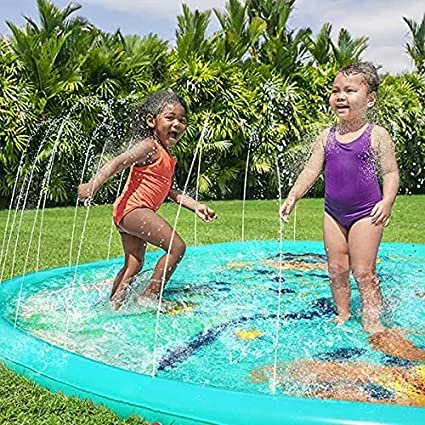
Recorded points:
(134,253)
(363,243)
(145,224)
(336,245)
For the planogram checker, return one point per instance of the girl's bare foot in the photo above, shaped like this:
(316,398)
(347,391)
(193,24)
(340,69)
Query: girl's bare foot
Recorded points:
(340,319)
(116,301)
(372,326)
(119,295)
(152,302)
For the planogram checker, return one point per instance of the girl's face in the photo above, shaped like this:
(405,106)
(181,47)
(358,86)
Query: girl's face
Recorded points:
(169,125)
(350,97)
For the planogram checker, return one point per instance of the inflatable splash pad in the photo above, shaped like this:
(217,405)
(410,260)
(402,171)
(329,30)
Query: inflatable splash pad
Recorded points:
(245,337)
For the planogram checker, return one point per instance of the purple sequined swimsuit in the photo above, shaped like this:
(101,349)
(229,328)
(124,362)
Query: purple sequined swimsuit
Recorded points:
(351,182)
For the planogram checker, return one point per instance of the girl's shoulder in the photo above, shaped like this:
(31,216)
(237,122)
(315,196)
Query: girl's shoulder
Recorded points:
(147,151)
(381,140)
(323,136)
(379,135)
(325,132)
(148,142)
(378,131)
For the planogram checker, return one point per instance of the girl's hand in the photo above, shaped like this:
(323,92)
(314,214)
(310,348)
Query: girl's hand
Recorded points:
(381,213)
(85,191)
(205,213)
(286,209)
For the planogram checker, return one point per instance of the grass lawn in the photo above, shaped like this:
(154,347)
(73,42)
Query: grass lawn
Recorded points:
(22,402)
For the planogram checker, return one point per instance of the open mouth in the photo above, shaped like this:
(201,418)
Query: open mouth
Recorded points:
(173,135)
(342,108)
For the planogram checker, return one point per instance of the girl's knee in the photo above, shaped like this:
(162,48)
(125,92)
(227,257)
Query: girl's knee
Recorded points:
(362,274)
(133,266)
(181,249)
(178,248)
(337,270)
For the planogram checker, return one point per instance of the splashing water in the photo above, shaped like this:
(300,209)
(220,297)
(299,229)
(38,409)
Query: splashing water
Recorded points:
(224,328)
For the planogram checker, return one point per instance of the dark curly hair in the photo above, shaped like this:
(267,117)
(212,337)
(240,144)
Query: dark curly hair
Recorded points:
(153,105)
(367,70)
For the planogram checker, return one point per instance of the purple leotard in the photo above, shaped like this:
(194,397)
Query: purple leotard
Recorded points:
(351,182)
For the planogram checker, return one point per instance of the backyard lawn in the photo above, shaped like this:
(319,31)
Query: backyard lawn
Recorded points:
(22,402)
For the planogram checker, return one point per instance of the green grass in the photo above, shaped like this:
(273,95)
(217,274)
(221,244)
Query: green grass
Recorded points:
(22,402)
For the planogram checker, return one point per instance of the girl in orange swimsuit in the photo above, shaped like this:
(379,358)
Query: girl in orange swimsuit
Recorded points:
(162,120)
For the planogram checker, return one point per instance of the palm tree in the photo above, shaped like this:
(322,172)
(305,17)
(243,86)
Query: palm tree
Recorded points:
(147,57)
(321,47)
(401,112)
(281,48)
(191,38)
(240,33)
(118,66)
(348,49)
(15,116)
(274,12)
(417,47)
(52,56)
(52,53)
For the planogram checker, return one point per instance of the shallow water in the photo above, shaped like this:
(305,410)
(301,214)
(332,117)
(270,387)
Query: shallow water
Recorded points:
(221,328)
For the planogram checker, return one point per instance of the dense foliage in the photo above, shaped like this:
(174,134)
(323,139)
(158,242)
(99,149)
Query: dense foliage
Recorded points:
(67,91)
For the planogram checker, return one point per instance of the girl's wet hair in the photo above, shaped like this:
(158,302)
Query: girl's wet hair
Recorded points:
(153,105)
(367,70)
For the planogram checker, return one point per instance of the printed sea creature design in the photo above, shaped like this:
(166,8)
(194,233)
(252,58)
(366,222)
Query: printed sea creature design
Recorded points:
(341,354)
(239,265)
(420,295)
(334,376)
(179,308)
(309,257)
(282,290)
(248,334)
(348,381)
(412,390)
(392,342)
(295,265)
(189,290)
(300,263)
(322,307)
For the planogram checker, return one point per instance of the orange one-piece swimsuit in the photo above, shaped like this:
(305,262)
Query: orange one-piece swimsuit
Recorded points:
(147,186)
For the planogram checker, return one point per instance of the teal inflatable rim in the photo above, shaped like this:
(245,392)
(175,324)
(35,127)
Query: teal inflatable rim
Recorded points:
(169,401)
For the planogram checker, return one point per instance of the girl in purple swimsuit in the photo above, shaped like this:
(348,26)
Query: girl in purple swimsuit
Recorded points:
(356,211)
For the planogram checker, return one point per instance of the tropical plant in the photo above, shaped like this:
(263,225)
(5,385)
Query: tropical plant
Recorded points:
(15,119)
(416,48)
(320,48)
(282,48)
(256,88)
(240,34)
(348,49)
(191,39)
(52,53)
(400,111)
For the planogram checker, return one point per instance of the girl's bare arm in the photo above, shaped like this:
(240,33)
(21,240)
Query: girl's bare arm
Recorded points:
(142,153)
(308,176)
(384,146)
(179,197)
(312,170)
(201,210)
